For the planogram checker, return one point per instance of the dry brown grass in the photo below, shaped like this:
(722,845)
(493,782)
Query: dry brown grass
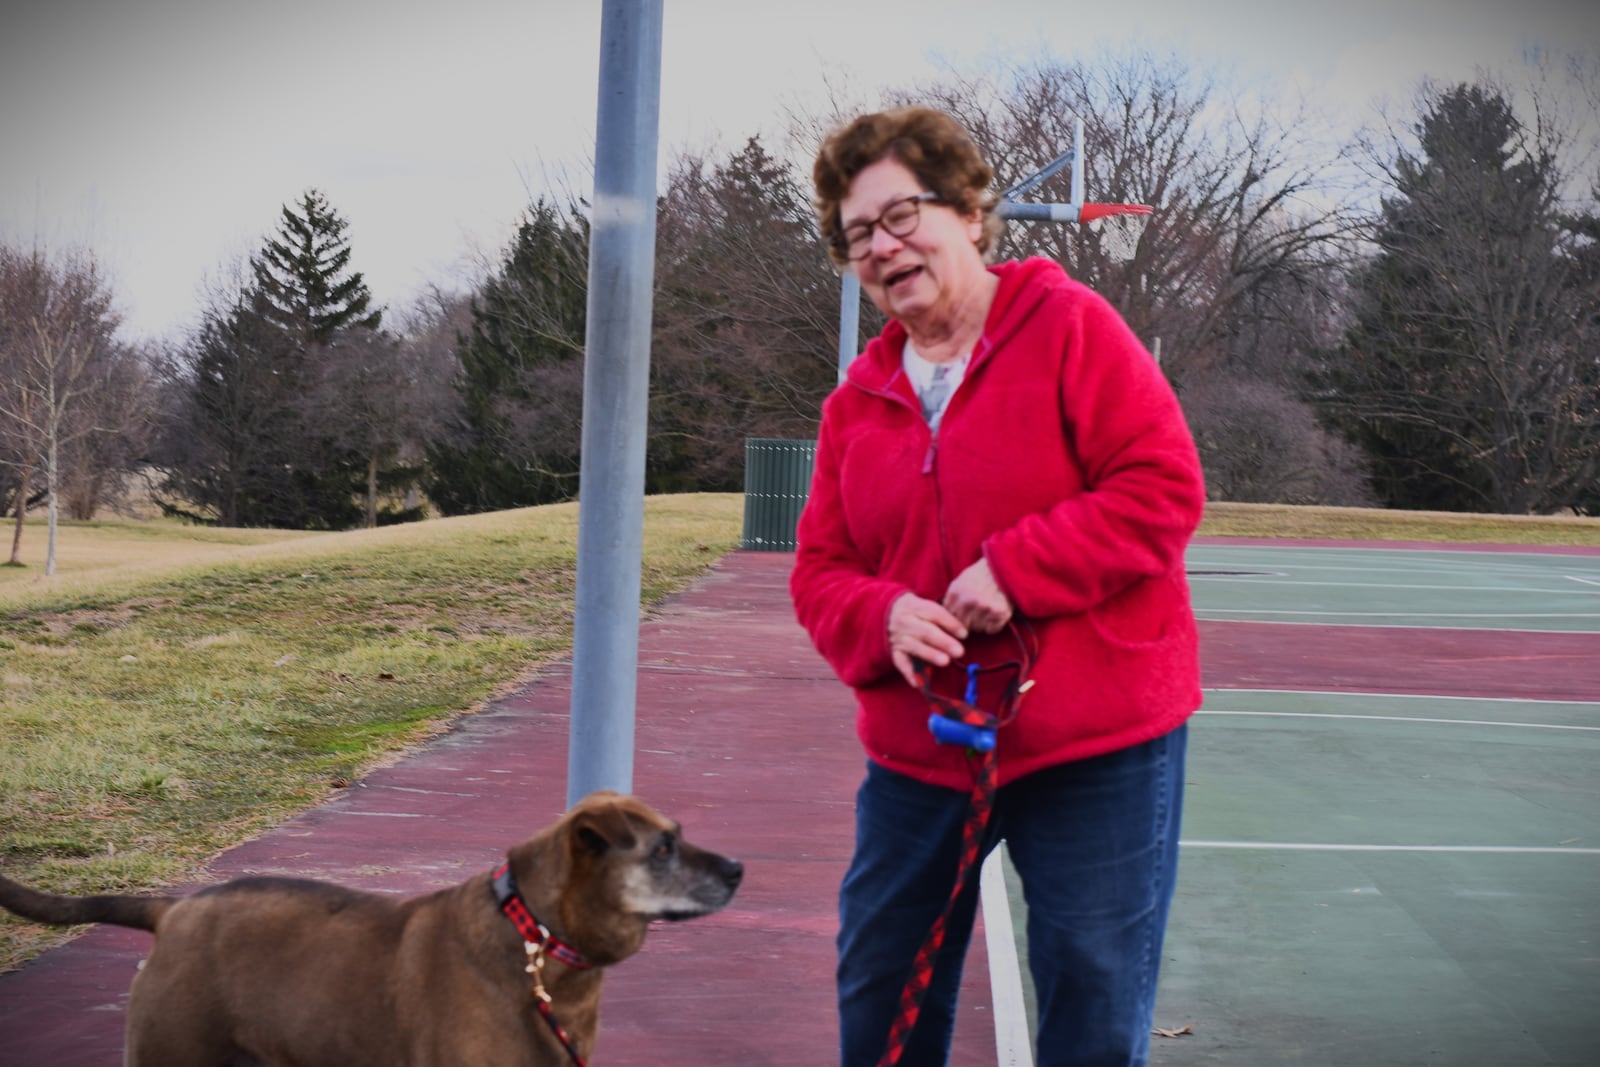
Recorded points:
(1371,524)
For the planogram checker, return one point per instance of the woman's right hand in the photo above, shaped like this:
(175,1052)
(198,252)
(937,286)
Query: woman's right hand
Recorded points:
(923,629)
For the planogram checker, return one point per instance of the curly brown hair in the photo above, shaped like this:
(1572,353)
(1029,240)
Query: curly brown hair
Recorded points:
(929,143)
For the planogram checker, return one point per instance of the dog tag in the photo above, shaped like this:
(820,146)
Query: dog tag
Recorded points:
(535,967)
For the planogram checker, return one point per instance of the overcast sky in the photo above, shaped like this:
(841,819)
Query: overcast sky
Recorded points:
(165,135)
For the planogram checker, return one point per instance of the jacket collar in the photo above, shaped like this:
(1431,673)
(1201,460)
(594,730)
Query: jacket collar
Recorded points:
(1014,301)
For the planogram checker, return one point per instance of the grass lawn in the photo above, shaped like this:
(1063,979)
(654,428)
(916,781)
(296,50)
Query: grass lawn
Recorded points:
(173,691)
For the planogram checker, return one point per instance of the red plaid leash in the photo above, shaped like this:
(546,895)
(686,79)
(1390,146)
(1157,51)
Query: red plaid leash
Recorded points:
(985,768)
(539,943)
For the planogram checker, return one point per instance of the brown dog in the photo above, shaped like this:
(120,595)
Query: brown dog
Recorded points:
(503,969)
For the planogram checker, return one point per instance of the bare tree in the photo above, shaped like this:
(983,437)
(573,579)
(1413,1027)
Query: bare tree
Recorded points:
(388,397)
(1244,196)
(59,335)
(19,452)
(747,312)
(1234,281)
(1262,446)
(98,466)
(20,447)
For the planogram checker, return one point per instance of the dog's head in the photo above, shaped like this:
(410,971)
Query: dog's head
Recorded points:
(624,865)
(661,876)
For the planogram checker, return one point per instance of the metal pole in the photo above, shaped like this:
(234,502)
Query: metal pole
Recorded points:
(616,381)
(1076,191)
(1010,209)
(849,321)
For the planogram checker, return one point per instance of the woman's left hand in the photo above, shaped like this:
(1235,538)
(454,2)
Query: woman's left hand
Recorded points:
(976,599)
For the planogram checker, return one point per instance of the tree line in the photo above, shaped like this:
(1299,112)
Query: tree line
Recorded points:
(1435,348)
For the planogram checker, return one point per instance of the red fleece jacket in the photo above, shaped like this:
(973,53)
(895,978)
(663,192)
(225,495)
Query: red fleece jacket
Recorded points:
(1064,459)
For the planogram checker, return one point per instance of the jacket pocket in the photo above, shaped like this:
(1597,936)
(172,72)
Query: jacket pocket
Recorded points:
(1142,614)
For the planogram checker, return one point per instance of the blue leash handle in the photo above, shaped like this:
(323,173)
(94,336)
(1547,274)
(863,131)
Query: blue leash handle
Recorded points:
(949,731)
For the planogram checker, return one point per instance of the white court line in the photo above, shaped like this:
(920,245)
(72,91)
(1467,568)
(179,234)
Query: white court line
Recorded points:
(380,814)
(1267,579)
(1443,554)
(1410,614)
(1361,565)
(1401,696)
(1396,718)
(1298,846)
(1011,1043)
(1213,615)
(425,792)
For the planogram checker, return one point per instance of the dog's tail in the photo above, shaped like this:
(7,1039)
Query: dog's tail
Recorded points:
(141,913)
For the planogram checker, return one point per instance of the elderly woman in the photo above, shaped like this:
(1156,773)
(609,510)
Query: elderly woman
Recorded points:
(1004,463)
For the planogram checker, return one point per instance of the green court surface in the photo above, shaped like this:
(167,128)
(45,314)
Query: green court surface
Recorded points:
(1377,879)
(1396,587)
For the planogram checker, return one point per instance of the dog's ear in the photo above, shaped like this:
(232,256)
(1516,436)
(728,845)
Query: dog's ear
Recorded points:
(602,824)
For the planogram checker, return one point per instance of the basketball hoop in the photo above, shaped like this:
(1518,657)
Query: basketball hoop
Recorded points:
(1119,227)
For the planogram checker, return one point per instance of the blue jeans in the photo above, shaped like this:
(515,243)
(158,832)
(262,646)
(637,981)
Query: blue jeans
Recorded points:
(1096,845)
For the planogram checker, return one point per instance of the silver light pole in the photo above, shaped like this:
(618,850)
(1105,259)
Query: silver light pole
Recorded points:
(616,381)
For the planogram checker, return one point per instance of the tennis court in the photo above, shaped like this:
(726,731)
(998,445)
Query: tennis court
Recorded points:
(1391,845)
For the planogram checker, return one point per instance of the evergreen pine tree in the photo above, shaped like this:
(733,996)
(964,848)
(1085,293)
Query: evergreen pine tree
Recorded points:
(303,279)
(305,292)
(1460,376)
(228,450)
(258,440)
(521,379)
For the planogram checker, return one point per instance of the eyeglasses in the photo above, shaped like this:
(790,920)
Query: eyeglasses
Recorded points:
(899,219)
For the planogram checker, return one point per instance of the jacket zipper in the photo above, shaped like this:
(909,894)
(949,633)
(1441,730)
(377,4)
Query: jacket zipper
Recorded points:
(931,456)
(930,460)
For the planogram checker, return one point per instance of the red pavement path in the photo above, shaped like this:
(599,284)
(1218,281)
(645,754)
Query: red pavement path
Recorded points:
(1513,665)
